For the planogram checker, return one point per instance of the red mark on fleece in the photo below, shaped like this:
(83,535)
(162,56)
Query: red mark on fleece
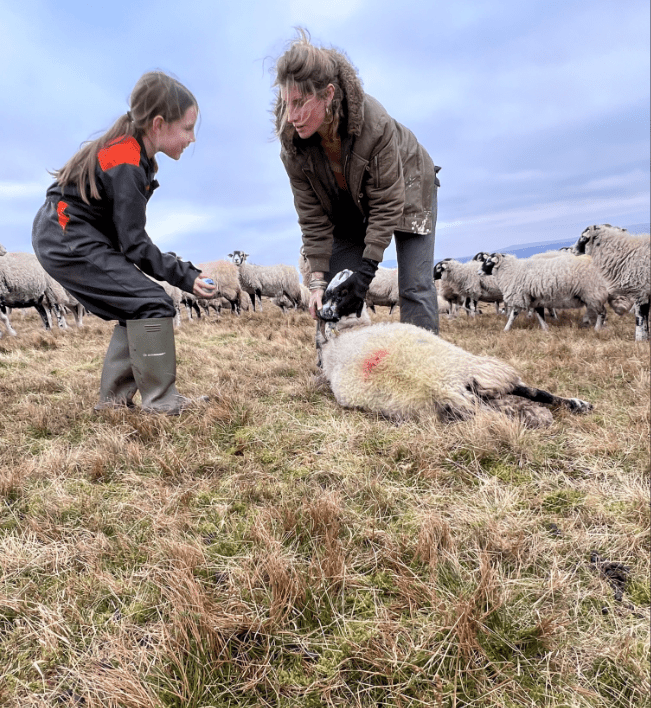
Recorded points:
(372,361)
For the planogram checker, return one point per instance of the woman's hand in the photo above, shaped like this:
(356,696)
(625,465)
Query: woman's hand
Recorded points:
(203,289)
(316,293)
(316,302)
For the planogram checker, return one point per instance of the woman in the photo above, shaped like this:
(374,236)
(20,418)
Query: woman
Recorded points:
(90,236)
(358,178)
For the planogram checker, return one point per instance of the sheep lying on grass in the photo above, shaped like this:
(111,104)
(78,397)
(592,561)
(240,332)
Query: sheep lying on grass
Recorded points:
(402,371)
(625,262)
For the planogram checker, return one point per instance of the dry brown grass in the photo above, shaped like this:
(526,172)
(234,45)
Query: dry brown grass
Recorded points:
(273,549)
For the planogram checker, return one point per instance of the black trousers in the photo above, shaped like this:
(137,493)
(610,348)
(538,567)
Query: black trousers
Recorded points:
(86,264)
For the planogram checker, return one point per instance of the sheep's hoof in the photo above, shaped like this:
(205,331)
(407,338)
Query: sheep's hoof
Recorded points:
(576,405)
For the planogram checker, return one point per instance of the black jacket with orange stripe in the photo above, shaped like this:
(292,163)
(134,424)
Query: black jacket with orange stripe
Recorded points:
(125,181)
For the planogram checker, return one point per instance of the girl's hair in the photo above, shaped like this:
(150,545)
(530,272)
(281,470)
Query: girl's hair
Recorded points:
(310,69)
(155,94)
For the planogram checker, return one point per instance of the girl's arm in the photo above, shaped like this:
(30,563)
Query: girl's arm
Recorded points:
(127,187)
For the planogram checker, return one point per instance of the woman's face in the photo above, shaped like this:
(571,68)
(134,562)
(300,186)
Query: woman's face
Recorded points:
(306,113)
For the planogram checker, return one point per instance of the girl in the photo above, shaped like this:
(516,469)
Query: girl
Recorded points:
(90,236)
(358,178)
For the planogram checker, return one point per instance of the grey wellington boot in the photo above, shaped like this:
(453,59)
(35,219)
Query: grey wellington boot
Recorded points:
(153,360)
(117,385)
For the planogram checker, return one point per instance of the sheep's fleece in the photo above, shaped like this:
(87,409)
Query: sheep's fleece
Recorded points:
(402,371)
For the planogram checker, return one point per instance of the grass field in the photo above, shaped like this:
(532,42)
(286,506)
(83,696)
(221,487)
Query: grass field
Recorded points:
(273,549)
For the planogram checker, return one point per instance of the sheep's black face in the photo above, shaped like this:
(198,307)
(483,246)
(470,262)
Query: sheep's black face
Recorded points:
(238,257)
(439,268)
(488,265)
(331,299)
(584,238)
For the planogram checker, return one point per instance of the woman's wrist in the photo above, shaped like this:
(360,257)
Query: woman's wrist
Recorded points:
(317,281)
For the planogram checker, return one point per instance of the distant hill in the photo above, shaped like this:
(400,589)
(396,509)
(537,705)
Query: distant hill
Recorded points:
(524,250)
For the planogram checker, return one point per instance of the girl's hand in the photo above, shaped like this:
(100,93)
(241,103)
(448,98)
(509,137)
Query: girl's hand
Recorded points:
(203,289)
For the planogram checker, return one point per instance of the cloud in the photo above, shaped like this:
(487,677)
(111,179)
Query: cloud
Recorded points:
(23,190)
(575,209)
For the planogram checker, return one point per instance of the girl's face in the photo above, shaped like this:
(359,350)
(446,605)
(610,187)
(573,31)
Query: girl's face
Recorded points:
(306,113)
(172,138)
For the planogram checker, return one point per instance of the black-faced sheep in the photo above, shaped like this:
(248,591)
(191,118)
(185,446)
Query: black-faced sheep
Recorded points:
(625,262)
(382,291)
(566,281)
(271,281)
(402,371)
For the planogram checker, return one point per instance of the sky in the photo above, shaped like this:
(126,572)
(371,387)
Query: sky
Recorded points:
(536,111)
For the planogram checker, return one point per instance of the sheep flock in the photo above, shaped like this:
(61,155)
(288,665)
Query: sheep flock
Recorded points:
(607,269)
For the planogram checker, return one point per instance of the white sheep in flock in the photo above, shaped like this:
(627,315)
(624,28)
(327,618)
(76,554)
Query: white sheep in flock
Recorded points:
(271,281)
(469,285)
(401,371)
(449,299)
(625,262)
(384,290)
(226,277)
(23,283)
(562,282)
(284,304)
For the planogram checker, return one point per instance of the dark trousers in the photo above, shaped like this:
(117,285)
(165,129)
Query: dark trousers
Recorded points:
(415,255)
(86,264)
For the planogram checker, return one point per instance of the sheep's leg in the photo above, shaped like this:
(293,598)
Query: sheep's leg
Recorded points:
(256,300)
(537,395)
(5,318)
(45,315)
(641,321)
(601,318)
(512,315)
(540,314)
(467,306)
(61,320)
(78,314)
(319,340)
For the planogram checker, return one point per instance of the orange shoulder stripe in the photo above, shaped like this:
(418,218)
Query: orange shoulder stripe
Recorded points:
(123,151)
(63,217)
